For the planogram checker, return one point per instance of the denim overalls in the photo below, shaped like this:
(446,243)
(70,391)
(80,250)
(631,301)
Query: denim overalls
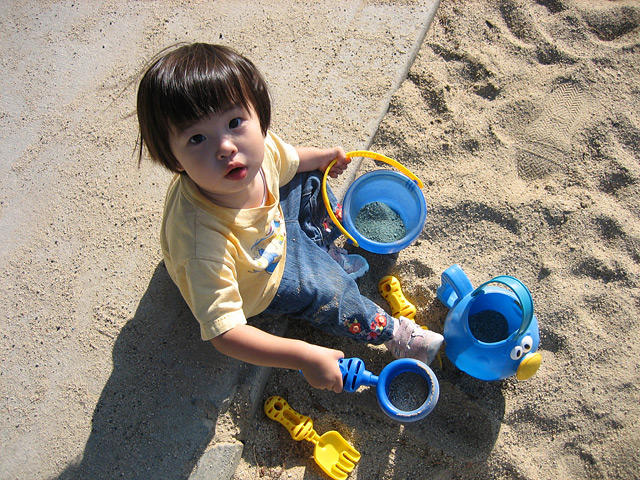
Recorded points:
(314,287)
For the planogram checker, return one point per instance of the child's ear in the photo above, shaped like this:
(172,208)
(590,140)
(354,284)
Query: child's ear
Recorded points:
(179,167)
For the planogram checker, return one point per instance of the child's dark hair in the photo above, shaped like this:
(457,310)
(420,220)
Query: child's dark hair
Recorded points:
(190,83)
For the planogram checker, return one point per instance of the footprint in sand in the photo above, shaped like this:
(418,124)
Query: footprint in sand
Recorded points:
(541,150)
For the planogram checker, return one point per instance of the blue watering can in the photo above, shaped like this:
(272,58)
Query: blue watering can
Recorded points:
(490,333)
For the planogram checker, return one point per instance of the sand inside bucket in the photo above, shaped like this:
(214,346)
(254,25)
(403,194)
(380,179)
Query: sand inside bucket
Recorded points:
(380,223)
(408,391)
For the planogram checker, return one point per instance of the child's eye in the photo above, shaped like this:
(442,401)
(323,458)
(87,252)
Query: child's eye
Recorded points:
(235,123)
(196,139)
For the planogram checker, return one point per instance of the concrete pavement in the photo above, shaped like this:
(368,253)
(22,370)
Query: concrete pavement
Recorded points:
(103,373)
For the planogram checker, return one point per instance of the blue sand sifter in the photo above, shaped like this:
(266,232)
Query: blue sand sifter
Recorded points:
(354,375)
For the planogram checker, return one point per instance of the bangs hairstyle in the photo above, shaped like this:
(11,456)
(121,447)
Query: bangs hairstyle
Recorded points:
(189,83)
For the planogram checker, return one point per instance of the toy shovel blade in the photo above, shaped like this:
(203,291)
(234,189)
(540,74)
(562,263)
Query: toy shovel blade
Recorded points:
(332,452)
(335,456)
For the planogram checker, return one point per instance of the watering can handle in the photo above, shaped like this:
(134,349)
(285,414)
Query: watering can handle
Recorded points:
(360,153)
(455,286)
(522,293)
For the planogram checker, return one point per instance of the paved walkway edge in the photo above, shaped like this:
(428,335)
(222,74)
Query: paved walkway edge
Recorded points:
(221,459)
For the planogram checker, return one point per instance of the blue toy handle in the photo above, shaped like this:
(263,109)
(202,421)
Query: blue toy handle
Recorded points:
(522,293)
(354,374)
(455,286)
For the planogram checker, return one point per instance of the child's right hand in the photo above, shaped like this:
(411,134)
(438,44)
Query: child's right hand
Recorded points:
(322,369)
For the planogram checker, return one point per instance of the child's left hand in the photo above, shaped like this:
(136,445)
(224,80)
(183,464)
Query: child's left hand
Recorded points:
(312,158)
(341,163)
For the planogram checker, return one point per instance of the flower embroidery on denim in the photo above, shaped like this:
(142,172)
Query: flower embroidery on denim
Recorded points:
(380,320)
(328,223)
(354,326)
(377,326)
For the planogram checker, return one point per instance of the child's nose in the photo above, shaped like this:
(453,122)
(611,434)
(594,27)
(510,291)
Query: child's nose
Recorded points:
(226,148)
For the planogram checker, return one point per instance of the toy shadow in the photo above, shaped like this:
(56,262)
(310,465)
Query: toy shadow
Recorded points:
(159,409)
(458,436)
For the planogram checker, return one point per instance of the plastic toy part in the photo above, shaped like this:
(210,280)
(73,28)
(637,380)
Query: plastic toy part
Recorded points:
(529,366)
(490,333)
(399,191)
(332,452)
(354,376)
(389,288)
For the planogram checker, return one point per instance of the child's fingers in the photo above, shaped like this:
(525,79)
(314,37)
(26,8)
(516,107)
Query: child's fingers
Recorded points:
(338,168)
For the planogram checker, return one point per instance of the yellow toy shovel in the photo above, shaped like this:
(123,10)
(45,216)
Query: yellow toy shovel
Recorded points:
(332,452)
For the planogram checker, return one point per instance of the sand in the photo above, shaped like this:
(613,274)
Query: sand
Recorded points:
(521,117)
(522,120)
(378,222)
(103,372)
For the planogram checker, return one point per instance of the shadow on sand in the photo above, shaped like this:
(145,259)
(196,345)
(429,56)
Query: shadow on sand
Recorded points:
(159,409)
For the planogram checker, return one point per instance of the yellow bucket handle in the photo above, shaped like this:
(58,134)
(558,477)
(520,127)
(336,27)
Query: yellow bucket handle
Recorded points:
(368,154)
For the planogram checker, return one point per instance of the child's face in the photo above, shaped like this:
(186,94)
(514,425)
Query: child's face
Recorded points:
(222,154)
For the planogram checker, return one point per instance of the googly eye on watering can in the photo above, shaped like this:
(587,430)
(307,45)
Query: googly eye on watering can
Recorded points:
(490,332)
(398,191)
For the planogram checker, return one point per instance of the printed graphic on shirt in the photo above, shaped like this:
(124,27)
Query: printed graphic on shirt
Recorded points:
(269,256)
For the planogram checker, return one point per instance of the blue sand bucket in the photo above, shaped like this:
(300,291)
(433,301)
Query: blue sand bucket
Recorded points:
(399,191)
(514,350)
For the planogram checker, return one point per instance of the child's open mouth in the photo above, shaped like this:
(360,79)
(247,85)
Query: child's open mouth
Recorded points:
(237,173)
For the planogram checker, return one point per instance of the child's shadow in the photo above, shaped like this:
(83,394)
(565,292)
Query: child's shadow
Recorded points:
(159,409)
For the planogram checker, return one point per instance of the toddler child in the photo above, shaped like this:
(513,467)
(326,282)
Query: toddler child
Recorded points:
(244,230)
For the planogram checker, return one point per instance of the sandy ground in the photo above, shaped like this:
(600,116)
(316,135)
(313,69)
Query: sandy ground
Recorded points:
(521,117)
(522,120)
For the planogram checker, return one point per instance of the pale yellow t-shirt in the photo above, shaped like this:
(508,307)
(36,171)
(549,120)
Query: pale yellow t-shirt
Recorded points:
(227,262)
